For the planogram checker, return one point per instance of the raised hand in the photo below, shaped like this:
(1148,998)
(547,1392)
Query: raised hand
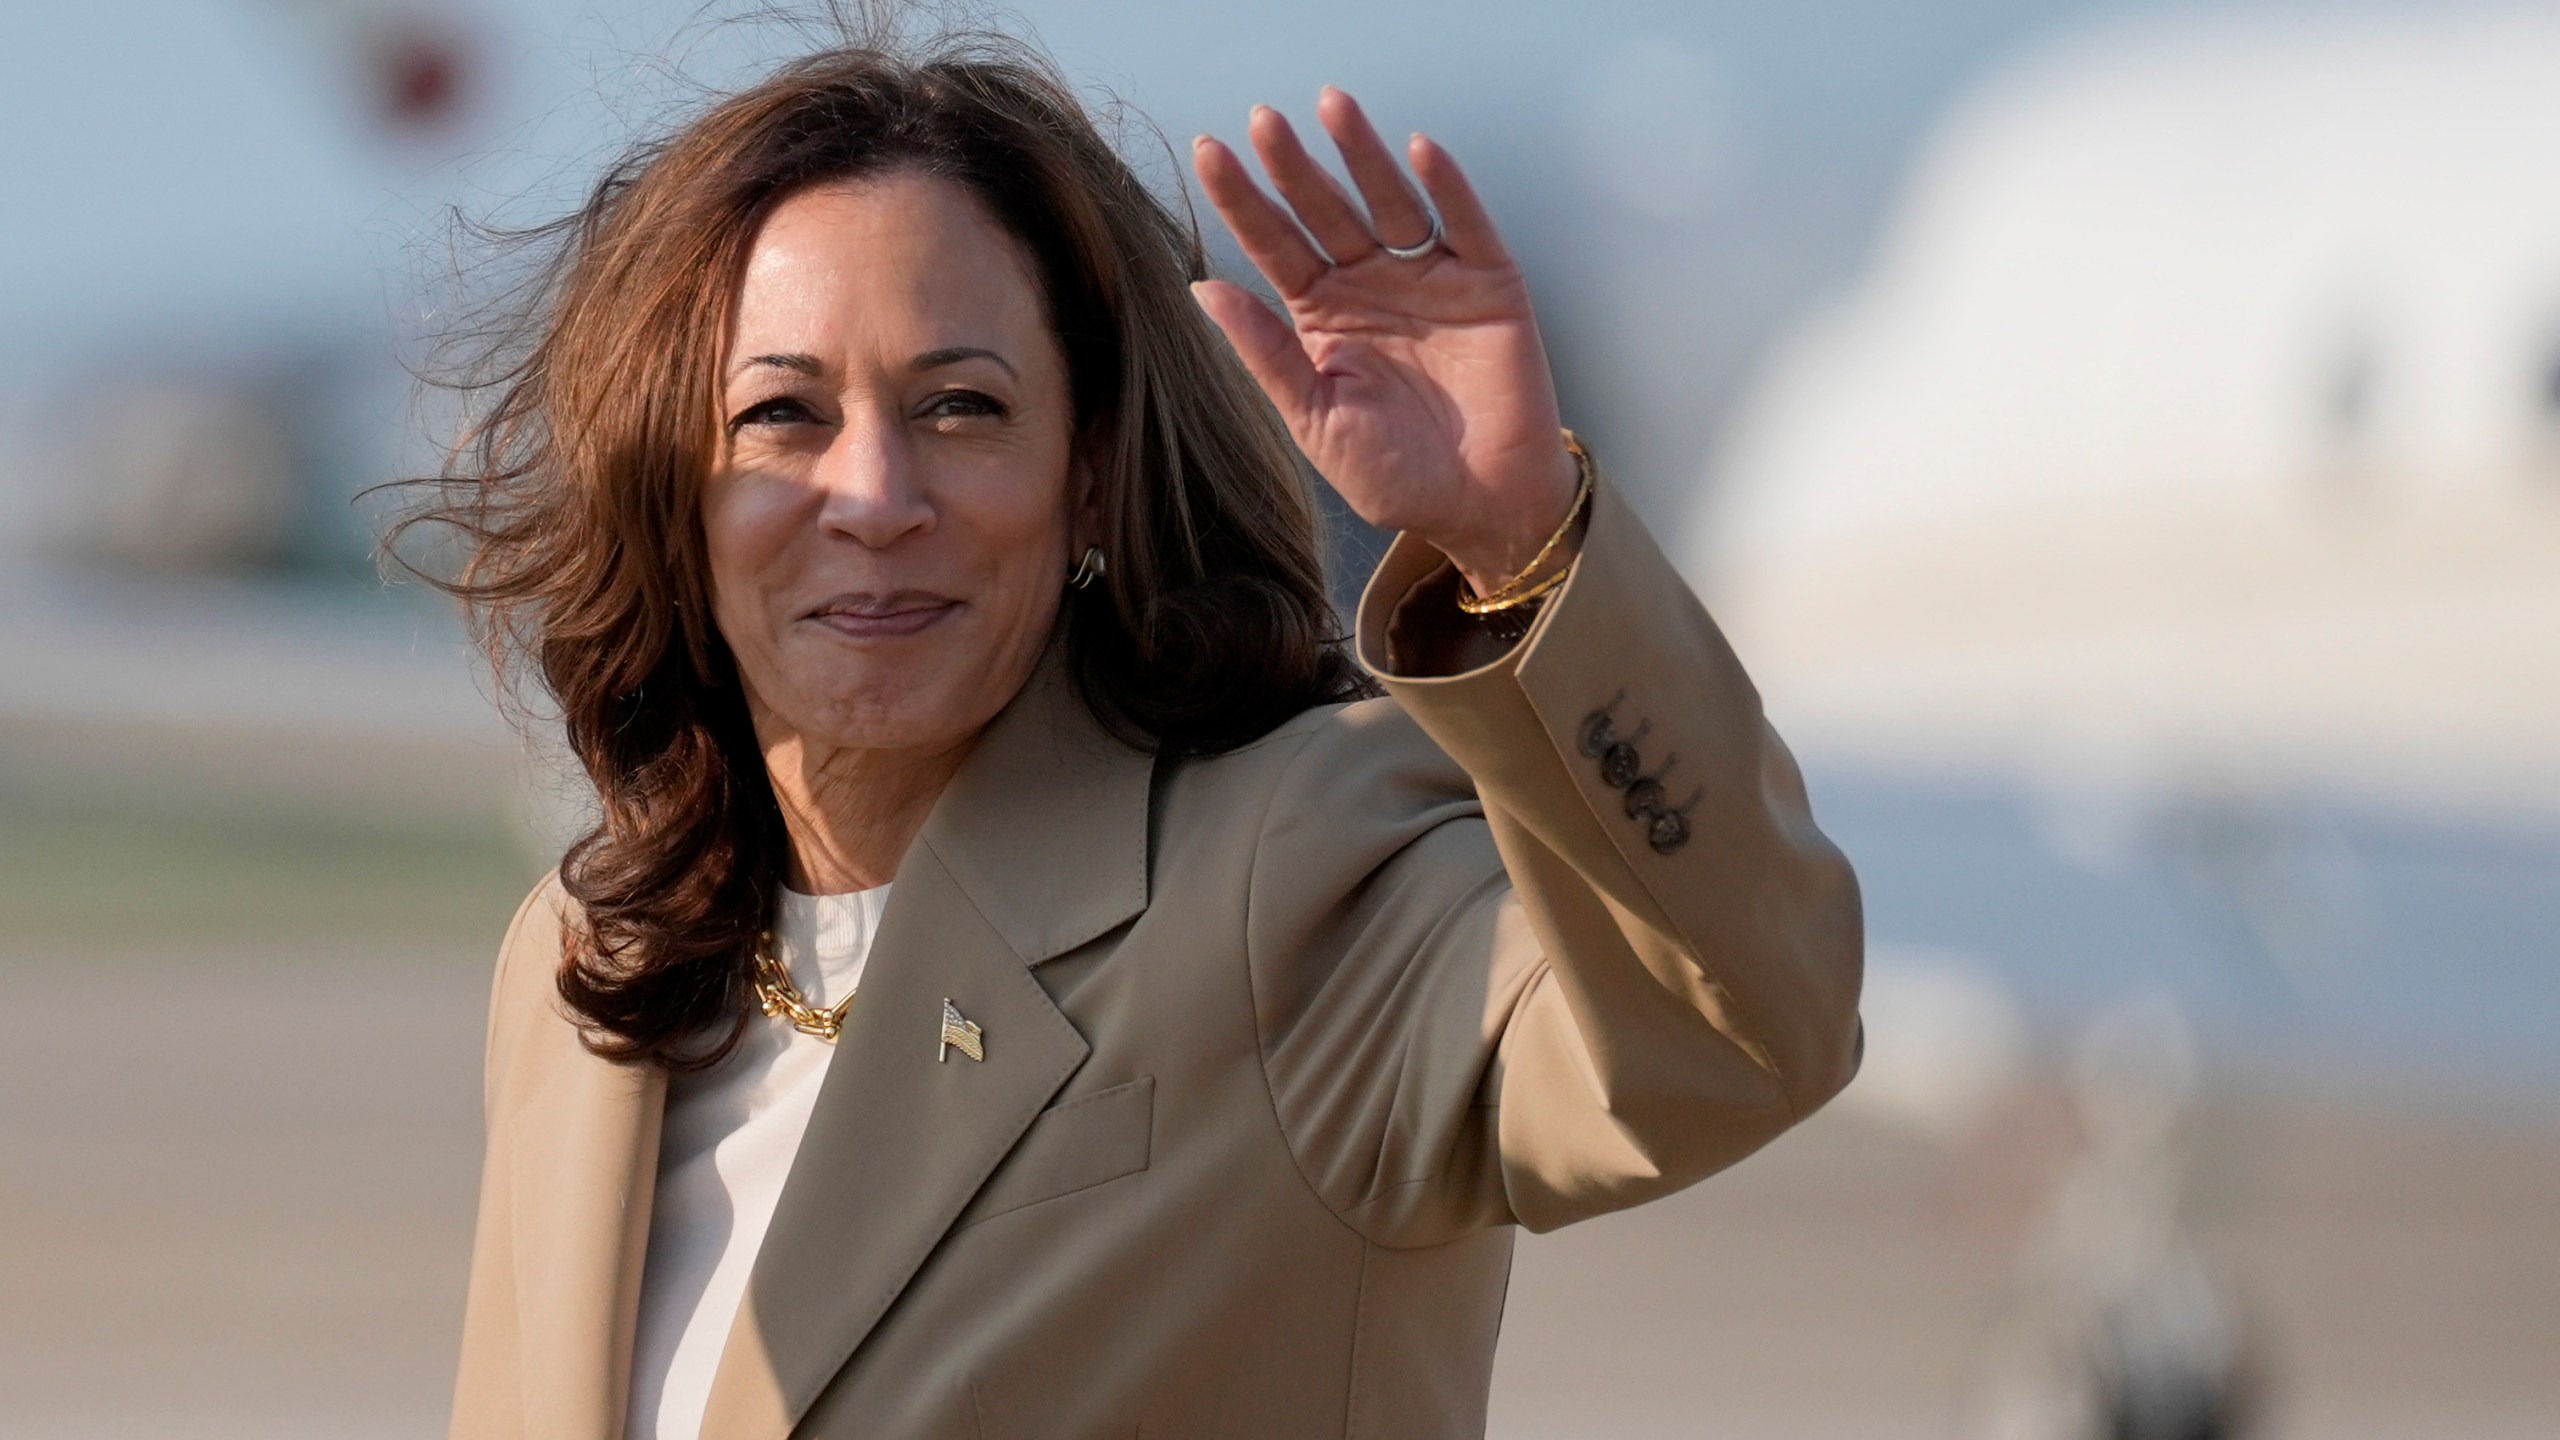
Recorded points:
(1418,387)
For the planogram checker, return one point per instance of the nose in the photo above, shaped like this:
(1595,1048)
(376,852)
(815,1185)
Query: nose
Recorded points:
(872,485)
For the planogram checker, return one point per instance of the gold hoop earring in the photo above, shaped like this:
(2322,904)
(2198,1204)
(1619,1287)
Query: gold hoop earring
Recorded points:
(1093,568)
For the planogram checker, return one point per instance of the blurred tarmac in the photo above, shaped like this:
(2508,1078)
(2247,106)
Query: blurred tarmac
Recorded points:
(238,1195)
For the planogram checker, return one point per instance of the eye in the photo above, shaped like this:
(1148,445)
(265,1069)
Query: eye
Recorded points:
(781,410)
(962,404)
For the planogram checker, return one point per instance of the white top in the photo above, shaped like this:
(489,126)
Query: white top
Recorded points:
(730,1134)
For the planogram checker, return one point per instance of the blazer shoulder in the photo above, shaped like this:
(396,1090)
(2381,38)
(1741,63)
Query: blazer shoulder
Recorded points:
(1336,795)
(522,989)
(1362,761)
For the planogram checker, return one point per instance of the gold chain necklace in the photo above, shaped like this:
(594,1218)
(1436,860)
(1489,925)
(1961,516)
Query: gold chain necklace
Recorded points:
(782,1000)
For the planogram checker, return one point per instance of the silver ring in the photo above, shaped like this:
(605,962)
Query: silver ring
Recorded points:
(1417,251)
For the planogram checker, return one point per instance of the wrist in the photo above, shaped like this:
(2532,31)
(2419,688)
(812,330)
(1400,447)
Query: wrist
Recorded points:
(1509,583)
(1501,589)
(1529,539)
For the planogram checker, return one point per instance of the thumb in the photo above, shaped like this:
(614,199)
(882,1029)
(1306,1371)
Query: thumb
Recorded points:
(1267,346)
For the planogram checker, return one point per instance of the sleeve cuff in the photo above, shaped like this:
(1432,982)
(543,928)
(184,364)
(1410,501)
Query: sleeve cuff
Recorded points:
(1622,641)
(1424,635)
(1409,627)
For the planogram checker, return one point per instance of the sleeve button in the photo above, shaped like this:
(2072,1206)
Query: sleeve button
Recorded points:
(1621,765)
(1597,733)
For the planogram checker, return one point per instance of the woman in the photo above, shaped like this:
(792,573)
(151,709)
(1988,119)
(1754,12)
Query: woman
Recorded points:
(1018,986)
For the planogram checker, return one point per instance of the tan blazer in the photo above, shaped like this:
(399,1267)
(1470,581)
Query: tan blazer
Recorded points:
(1279,1044)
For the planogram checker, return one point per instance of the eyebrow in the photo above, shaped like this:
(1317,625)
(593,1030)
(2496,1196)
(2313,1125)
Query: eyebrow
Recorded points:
(953,355)
(802,363)
(798,361)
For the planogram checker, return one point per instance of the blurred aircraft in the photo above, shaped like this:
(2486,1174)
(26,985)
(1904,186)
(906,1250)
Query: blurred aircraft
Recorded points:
(2185,478)
(2199,419)
(2157,556)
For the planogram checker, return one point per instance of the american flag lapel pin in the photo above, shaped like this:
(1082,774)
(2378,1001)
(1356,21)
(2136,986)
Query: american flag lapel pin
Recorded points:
(959,1033)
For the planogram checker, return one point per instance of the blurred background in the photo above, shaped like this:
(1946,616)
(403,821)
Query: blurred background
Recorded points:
(2122,438)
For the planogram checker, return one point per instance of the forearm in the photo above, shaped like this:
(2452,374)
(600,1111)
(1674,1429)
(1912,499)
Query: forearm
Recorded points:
(1658,835)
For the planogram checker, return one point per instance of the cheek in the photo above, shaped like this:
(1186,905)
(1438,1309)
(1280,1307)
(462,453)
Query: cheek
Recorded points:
(1022,532)
(746,533)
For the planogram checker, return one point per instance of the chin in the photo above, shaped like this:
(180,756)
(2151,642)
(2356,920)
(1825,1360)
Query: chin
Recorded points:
(923,702)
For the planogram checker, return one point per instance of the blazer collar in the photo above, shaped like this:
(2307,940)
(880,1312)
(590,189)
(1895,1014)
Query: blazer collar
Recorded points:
(1038,845)
(1045,825)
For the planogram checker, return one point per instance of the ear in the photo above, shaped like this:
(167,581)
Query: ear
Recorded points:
(1084,492)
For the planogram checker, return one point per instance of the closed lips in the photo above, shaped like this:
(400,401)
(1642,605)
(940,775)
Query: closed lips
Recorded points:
(865,616)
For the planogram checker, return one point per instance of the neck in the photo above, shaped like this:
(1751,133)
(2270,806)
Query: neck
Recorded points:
(851,814)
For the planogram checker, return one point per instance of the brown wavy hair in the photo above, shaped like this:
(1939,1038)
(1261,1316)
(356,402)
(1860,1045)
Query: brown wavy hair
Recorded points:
(572,504)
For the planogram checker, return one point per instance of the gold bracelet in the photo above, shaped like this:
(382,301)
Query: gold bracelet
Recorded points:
(1513,602)
(1518,590)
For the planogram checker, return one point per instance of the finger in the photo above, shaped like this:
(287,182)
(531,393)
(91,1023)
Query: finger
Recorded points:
(1464,226)
(1268,347)
(1317,197)
(1271,240)
(1396,215)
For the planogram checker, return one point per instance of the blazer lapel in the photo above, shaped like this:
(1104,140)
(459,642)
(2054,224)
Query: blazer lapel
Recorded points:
(589,1141)
(1039,845)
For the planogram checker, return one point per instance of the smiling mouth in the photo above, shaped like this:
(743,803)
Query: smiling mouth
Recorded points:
(877,617)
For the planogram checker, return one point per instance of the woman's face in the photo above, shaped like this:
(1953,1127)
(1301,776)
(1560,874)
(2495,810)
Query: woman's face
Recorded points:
(889,529)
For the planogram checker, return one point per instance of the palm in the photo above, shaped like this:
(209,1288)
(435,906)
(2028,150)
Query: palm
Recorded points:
(1417,387)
